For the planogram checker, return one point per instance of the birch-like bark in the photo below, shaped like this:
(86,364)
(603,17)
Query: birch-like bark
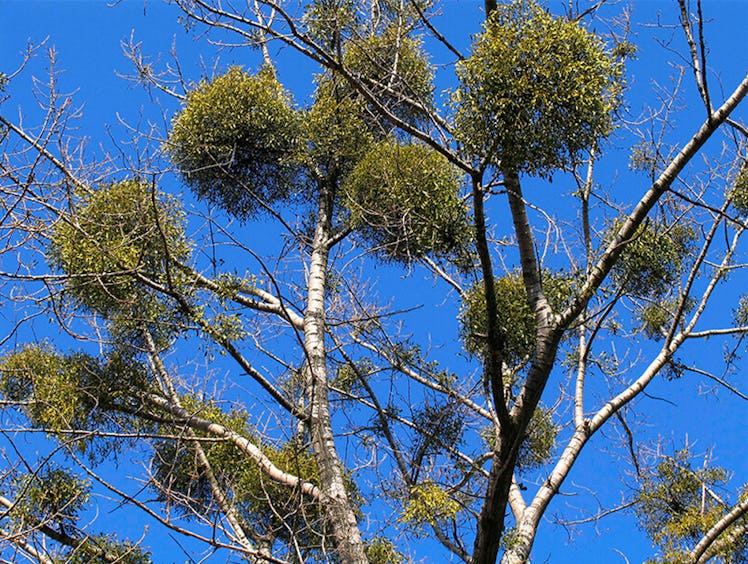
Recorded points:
(491,523)
(235,521)
(527,527)
(603,266)
(491,519)
(583,343)
(340,514)
(265,465)
(56,535)
(549,336)
(701,551)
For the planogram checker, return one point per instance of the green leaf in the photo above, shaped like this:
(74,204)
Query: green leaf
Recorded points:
(234,142)
(404,200)
(536,92)
(114,234)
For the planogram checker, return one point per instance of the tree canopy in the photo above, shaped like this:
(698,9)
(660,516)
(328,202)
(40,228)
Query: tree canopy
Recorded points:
(359,289)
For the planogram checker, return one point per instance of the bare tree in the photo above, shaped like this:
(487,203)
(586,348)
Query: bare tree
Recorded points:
(338,431)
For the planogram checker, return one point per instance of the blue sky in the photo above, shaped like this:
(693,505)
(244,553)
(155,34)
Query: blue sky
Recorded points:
(87,36)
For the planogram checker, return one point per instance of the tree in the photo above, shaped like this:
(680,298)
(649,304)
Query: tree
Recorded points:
(338,435)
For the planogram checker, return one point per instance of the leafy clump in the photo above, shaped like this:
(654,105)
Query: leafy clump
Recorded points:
(235,139)
(538,442)
(52,495)
(77,391)
(540,438)
(536,92)
(428,504)
(657,316)
(379,550)
(738,194)
(439,425)
(328,20)
(740,313)
(677,506)
(271,508)
(404,200)
(516,320)
(102,549)
(117,234)
(394,67)
(653,259)
(336,131)
(54,498)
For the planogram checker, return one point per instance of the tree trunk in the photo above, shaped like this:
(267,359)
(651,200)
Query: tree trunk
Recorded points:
(339,513)
(493,512)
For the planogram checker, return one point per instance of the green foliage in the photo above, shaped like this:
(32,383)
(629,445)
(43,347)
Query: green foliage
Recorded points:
(337,135)
(516,319)
(77,391)
(536,92)
(404,200)
(50,495)
(100,549)
(115,233)
(656,317)
(394,67)
(272,509)
(225,328)
(740,314)
(55,497)
(645,158)
(738,194)
(510,538)
(328,20)
(235,139)
(676,507)
(537,447)
(440,425)
(653,259)
(538,443)
(379,550)
(347,377)
(428,504)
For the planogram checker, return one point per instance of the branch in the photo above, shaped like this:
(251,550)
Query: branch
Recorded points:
(296,39)
(7,536)
(166,521)
(226,344)
(62,538)
(269,303)
(698,63)
(263,462)
(43,151)
(494,356)
(232,516)
(699,551)
(658,188)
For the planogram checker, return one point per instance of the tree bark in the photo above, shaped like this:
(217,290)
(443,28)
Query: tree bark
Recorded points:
(340,514)
(491,521)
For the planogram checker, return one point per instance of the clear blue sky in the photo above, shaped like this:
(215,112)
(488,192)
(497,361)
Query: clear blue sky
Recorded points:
(86,36)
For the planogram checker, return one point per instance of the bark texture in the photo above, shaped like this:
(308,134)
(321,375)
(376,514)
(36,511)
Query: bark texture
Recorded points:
(340,514)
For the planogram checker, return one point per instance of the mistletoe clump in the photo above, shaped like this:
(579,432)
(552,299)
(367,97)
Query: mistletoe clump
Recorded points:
(404,200)
(118,236)
(516,320)
(738,194)
(654,259)
(536,92)
(394,67)
(235,139)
